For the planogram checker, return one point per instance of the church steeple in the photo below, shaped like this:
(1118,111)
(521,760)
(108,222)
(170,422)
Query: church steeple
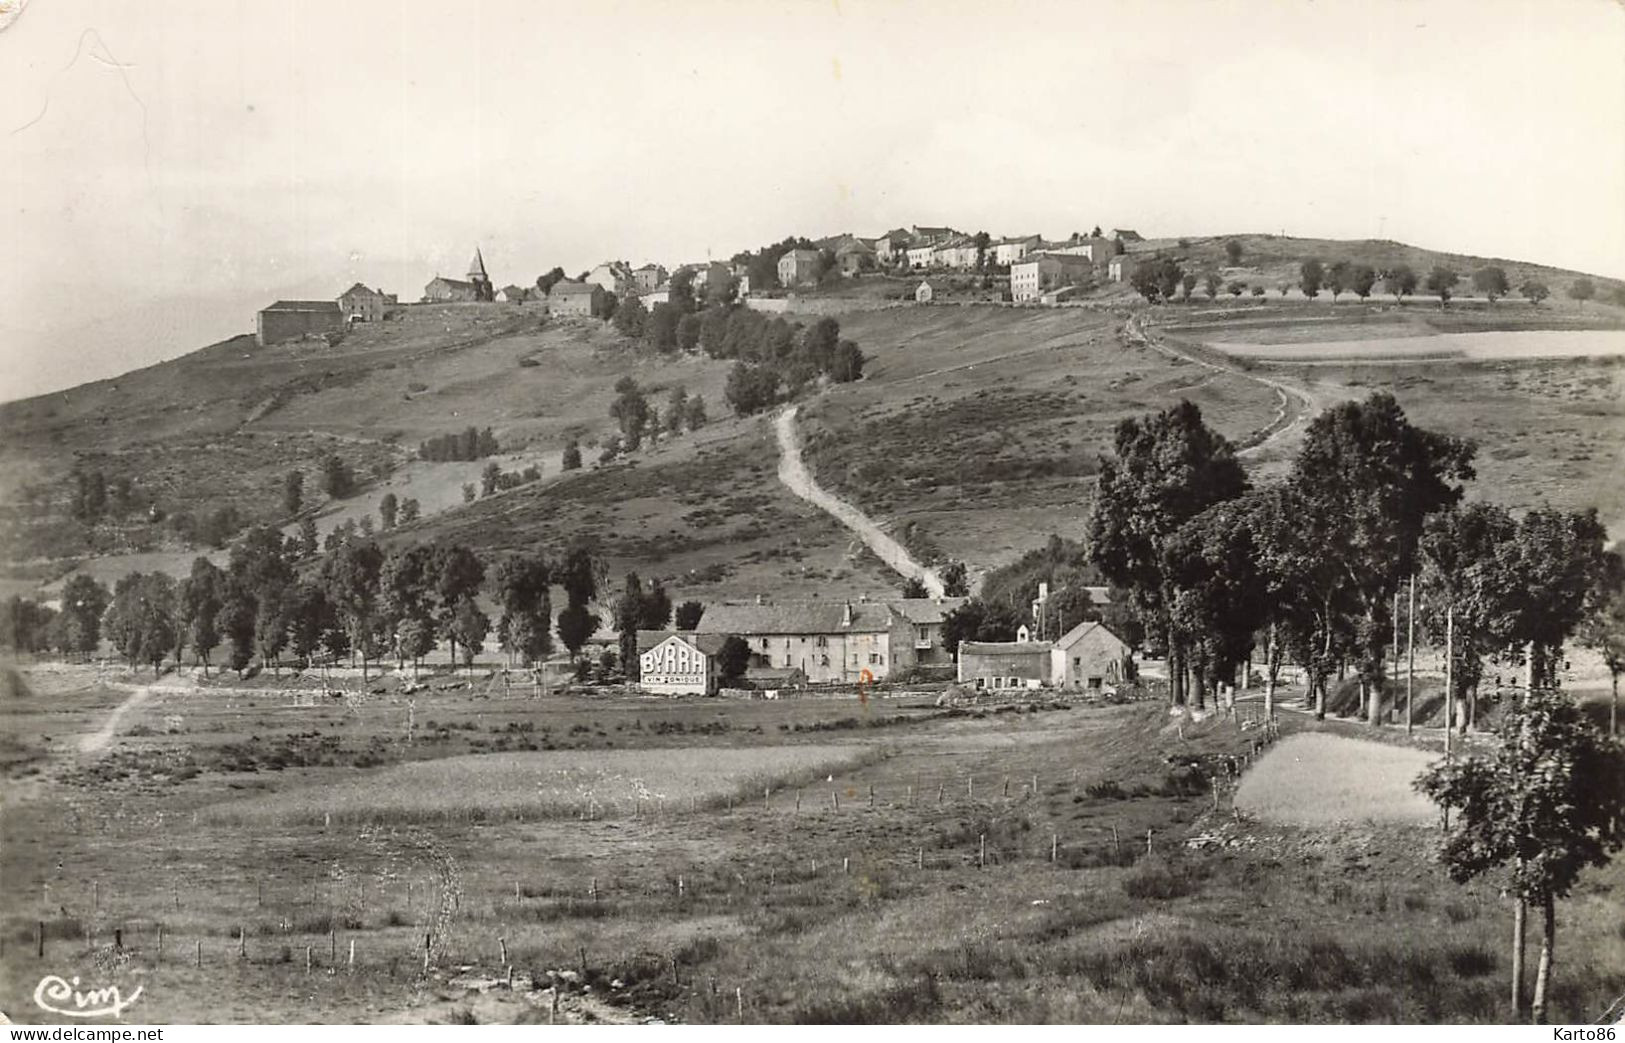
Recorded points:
(483,291)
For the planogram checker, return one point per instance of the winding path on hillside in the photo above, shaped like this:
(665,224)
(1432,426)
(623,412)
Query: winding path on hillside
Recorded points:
(102,737)
(795,476)
(1296,404)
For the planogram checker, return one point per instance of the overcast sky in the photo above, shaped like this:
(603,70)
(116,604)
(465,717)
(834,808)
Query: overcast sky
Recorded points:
(171,167)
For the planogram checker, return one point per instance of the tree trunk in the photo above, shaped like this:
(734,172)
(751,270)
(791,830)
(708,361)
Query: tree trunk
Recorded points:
(1269,676)
(1613,707)
(1543,972)
(1520,915)
(1176,674)
(1320,698)
(1199,676)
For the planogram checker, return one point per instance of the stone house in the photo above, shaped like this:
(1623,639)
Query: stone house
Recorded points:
(923,293)
(362,304)
(292,320)
(798,267)
(568,297)
(1036,274)
(613,277)
(1022,663)
(1089,657)
(1121,268)
(1008,251)
(649,277)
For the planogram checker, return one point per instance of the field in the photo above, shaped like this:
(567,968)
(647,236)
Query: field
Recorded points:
(1326,780)
(997,863)
(511,787)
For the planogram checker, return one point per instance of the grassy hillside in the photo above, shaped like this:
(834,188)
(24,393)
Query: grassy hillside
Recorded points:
(221,426)
(1271,260)
(974,433)
(977,430)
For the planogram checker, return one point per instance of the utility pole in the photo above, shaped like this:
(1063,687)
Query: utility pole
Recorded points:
(1410,654)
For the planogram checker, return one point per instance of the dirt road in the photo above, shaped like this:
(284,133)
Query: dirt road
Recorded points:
(1295,404)
(103,737)
(795,476)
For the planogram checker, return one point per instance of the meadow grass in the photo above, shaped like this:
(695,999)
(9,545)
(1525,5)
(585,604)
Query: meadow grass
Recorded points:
(1320,779)
(552,784)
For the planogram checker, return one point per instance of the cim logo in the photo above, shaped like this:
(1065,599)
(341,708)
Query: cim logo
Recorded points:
(58,996)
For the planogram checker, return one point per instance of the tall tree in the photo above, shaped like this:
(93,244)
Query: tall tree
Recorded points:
(688,615)
(522,587)
(1469,595)
(630,410)
(576,626)
(458,576)
(955,580)
(1218,591)
(1168,468)
(1377,477)
(978,620)
(1400,281)
(1561,566)
(260,571)
(1233,251)
(1582,289)
(1441,282)
(293,492)
(201,596)
(1362,277)
(628,618)
(80,623)
(1339,277)
(1491,281)
(1546,804)
(1604,629)
(733,659)
(389,509)
(350,580)
(1310,275)
(1534,291)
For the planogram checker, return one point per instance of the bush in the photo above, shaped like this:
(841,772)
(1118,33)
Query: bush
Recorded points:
(1160,879)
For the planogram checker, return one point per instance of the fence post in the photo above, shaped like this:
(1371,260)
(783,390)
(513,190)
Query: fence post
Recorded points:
(160,941)
(39,939)
(309,960)
(846,865)
(1054,846)
(242,942)
(502,944)
(981,850)
(919,859)
(939,792)
(871,794)
(426,938)
(1007,786)
(352,956)
(118,939)
(1117,843)
(200,952)
(95,896)
(1148,841)
(739,1001)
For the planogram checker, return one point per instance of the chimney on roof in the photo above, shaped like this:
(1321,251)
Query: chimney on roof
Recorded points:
(846,615)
